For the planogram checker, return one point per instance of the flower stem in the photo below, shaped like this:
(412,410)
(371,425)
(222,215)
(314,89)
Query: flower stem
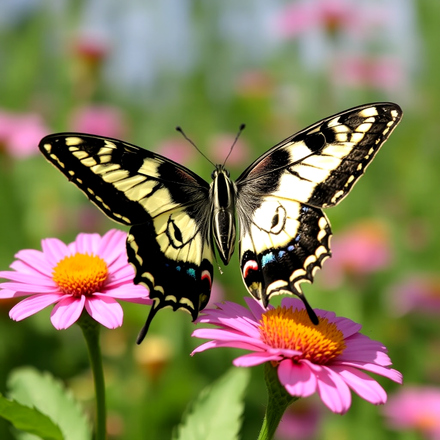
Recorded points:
(278,401)
(90,329)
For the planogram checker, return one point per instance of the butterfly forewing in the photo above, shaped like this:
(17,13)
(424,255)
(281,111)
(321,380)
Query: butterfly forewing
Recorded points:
(167,206)
(285,234)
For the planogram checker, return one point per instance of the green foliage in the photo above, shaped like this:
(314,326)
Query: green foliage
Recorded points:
(217,412)
(59,416)
(29,419)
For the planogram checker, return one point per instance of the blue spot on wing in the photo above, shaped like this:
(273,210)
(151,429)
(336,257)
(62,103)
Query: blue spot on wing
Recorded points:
(267,258)
(191,272)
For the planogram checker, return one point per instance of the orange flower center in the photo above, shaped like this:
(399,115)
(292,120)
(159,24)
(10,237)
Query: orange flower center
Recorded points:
(80,274)
(292,329)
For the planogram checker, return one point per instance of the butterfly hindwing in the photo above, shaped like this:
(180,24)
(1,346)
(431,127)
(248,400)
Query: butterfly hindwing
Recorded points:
(285,235)
(169,243)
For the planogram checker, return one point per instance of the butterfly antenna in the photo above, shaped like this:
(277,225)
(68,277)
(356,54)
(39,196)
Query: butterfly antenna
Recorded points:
(242,127)
(144,329)
(179,129)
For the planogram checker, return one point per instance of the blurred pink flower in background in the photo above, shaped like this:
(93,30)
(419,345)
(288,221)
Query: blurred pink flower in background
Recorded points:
(220,146)
(417,293)
(254,84)
(102,120)
(20,133)
(300,421)
(378,72)
(360,250)
(330,15)
(326,359)
(415,408)
(177,149)
(91,273)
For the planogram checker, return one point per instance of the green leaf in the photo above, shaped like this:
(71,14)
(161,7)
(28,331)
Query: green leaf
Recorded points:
(42,391)
(29,419)
(216,414)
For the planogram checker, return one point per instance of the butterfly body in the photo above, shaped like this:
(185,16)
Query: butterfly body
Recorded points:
(177,219)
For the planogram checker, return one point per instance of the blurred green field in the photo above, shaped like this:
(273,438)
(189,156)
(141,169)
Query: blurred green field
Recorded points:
(135,71)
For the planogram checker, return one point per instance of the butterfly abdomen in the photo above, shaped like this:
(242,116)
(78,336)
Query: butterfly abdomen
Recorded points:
(223,198)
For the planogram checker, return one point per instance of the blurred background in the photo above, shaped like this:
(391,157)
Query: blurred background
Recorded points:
(134,70)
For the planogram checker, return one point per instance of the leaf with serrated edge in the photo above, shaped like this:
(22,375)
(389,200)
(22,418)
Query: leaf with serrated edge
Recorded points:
(217,412)
(48,395)
(29,419)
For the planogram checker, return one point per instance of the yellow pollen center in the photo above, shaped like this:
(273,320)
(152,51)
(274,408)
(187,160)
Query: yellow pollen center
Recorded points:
(80,274)
(292,329)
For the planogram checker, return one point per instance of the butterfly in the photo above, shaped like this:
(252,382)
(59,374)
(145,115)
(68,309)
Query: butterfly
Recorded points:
(177,219)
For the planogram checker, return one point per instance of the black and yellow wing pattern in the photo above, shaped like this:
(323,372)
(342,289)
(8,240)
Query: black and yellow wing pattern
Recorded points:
(177,218)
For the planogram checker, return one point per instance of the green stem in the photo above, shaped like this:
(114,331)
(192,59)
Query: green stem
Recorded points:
(278,401)
(90,329)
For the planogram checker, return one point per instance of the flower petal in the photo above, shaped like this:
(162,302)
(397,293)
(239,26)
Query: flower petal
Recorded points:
(32,288)
(27,278)
(54,250)
(105,310)
(334,392)
(32,261)
(297,378)
(362,384)
(67,312)
(32,305)
(256,358)
(112,246)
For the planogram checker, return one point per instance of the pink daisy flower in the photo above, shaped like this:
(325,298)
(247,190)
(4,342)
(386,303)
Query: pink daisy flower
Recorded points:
(415,408)
(326,359)
(91,273)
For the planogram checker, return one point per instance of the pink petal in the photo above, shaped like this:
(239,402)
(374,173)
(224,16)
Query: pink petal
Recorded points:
(333,391)
(34,262)
(390,373)
(363,385)
(230,344)
(297,378)
(256,308)
(127,292)
(27,278)
(228,336)
(54,250)
(32,305)
(32,288)
(253,359)
(5,293)
(112,246)
(85,244)
(67,312)
(105,310)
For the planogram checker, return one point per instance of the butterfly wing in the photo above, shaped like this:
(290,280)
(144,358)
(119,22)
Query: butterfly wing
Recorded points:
(166,205)
(285,236)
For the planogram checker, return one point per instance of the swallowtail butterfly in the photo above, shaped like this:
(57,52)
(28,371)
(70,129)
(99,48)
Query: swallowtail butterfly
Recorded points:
(177,218)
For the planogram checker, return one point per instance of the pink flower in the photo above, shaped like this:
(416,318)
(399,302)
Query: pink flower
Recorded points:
(20,133)
(418,293)
(100,120)
(326,359)
(91,273)
(385,73)
(301,421)
(330,15)
(363,249)
(415,408)
(177,149)
(220,146)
